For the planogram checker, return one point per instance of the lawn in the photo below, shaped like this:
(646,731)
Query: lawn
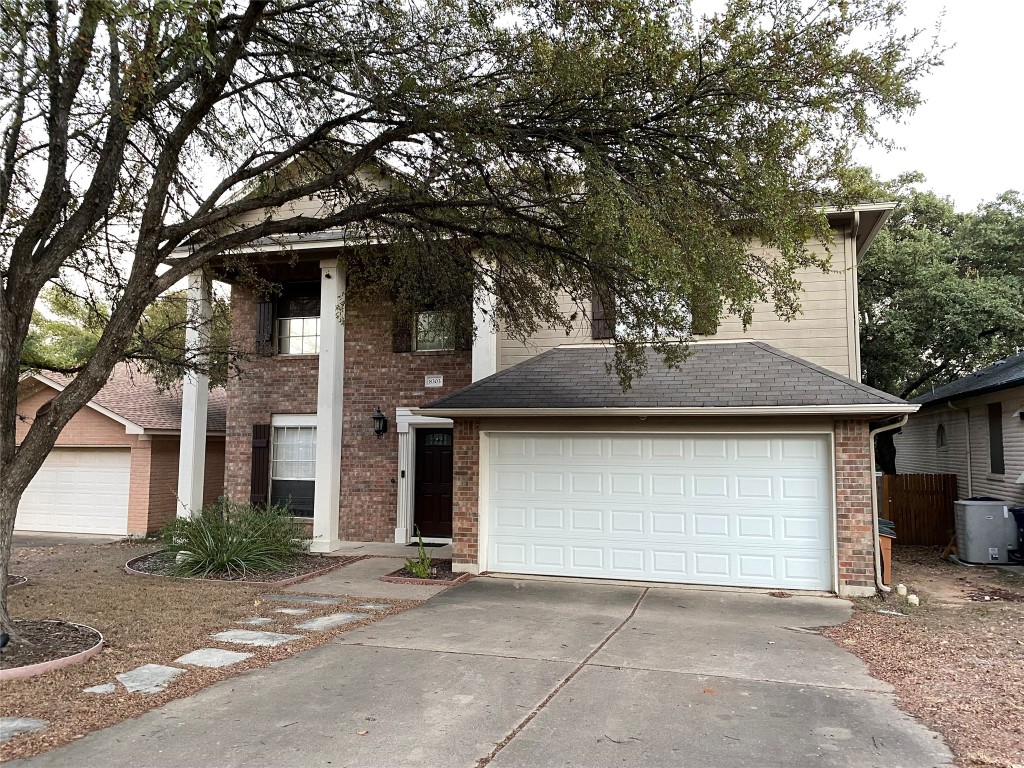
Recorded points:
(957,662)
(143,620)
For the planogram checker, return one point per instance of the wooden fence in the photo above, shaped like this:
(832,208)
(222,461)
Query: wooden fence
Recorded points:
(921,506)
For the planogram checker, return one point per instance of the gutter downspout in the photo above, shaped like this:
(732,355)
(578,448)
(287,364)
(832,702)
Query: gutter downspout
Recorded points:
(874,499)
(970,460)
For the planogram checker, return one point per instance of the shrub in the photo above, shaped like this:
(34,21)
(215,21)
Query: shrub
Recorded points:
(420,566)
(231,540)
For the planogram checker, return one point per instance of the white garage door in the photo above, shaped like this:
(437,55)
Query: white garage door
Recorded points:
(78,490)
(750,510)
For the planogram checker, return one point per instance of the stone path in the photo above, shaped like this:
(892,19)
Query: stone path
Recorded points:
(12,726)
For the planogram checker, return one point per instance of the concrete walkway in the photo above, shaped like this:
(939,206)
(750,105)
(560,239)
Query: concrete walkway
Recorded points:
(532,673)
(362,579)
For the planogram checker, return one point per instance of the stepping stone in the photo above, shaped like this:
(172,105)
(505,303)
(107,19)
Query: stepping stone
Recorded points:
(12,726)
(375,606)
(314,599)
(251,637)
(292,611)
(330,621)
(255,621)
(212,657)
(149,678)
(100,690)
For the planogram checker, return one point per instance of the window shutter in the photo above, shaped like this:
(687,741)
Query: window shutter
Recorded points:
(259,488)
(464,333)
(401,334)
(265,328)
(600,326)
(704,320)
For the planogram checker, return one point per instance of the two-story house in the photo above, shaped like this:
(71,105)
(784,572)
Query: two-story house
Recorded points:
(748,465)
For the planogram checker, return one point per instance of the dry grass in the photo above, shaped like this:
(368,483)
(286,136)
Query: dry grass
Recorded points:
(956,664)
(143,620)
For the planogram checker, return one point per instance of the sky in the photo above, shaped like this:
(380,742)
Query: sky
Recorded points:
(968,138)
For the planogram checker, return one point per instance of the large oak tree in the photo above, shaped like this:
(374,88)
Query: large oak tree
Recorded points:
(538,146)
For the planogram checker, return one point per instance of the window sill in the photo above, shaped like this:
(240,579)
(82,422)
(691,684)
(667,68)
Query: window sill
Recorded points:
(434,351)
(308,356)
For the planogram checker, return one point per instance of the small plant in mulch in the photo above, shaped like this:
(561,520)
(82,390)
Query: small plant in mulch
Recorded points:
(419,566)
(229,540)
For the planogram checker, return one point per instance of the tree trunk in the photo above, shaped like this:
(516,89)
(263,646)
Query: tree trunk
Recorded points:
(885,452)
(8,508)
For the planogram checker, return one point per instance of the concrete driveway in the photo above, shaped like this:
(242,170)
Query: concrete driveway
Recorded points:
(545,673)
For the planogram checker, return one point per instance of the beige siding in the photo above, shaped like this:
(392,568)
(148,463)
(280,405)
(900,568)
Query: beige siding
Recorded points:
(825,332)
(916,451)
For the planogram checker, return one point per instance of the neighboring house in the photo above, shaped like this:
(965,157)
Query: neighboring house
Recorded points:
(748,465)
(972,428)
(114,468)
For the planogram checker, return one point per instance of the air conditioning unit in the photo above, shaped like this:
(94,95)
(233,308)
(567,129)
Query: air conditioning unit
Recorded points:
(985,530)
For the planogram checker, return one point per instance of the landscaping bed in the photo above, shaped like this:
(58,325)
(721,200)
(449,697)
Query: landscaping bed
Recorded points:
(163,564)
(47,641)
(440,573)
(957,662)
(143,621)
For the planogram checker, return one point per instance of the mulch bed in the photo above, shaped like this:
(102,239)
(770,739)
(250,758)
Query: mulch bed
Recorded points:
(440,573)
(46,641)
(957,665)
(162,564)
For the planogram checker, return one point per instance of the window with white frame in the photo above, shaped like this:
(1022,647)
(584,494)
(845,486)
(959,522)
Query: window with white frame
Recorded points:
(293,463)
(434,332)
(298,319)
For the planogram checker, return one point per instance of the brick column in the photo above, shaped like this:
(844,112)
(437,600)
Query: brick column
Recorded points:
(854,528)
(466,496)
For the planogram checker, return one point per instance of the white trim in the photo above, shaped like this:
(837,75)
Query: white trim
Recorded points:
(406,424)
(831,440)
(293,420)
(485,335)
(765,410)
(195,398)
(329,410)
(130,427)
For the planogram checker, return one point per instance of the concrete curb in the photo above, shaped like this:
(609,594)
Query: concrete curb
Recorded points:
(33,670)
(425,582)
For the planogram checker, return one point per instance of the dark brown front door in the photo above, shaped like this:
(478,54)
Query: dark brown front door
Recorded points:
(433,510)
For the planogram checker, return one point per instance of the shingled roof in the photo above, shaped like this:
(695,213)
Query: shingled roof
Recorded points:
(1008,372)
(735,376)
(134,395)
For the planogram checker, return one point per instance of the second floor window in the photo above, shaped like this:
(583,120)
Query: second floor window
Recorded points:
(298,319)
(434,331)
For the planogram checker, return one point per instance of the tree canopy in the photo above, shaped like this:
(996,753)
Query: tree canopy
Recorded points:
(540,146)
(941,292)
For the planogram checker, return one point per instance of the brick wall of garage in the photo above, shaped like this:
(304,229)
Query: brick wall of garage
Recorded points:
(375,377)
(855,545)
(162,502)
(854,520)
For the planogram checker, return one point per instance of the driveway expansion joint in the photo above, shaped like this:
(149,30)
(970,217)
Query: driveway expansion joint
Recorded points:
(742,679)
(484,761)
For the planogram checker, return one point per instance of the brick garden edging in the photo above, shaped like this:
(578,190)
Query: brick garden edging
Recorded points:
(32,670)
(342,561)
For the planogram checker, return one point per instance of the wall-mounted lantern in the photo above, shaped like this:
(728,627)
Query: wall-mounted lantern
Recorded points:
(380,423)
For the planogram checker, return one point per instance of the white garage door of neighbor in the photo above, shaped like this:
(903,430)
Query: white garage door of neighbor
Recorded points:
(725,509)
(78,490)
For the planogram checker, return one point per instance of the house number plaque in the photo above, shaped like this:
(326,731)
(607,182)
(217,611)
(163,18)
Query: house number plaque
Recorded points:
(433,381)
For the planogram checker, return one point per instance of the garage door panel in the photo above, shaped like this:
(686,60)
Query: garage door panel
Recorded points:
(78,491)
(749,510)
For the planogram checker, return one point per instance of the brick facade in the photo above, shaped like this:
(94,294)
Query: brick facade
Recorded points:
(854,524)
(466,495)
(153,483)
(375,377)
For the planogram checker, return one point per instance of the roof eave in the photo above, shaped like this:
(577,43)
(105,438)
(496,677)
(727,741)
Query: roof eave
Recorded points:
(866,410)
(981,391)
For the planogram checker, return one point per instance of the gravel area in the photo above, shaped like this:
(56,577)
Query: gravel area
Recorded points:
(162,564)
(957,662)
(144,621)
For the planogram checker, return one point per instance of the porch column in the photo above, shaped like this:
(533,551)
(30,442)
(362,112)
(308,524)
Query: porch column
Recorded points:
(194,397)
(485,337)
(330,387)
